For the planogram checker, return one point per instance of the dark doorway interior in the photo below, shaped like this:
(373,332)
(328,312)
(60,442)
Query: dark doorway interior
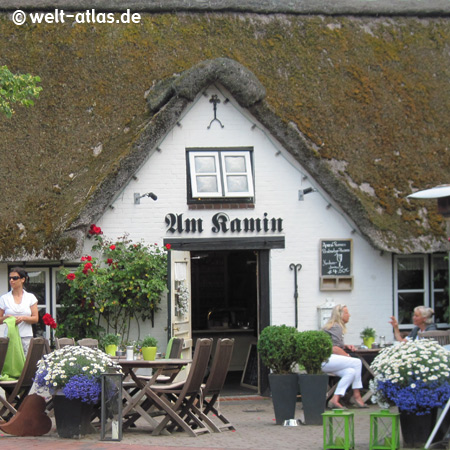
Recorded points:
(225,302)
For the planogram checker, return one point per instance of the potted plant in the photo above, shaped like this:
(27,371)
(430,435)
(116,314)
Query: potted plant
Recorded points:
(313,347)
(111,343)
(277,347)
(368,336)
(414,376)
(72,375)
(149,347)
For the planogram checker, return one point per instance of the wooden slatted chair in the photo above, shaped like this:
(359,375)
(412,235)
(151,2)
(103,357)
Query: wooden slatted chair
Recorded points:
(185,394)
(214,384)
(63,342)
(176,347)
(441,336)
(17,390)
(88,342)
(4,341)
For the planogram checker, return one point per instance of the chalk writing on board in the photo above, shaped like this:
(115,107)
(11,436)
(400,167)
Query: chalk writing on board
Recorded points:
(336,257)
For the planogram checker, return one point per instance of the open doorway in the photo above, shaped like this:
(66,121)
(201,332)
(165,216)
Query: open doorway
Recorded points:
(224,286)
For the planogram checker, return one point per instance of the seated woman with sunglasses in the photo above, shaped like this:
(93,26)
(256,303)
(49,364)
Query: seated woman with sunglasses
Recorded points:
(340,362)
(20,304)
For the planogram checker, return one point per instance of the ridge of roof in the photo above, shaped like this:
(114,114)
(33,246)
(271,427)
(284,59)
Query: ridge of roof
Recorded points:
(326,7)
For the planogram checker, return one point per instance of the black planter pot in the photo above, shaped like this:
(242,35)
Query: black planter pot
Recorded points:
(284,390)
(72,417)
(313,389)
(416,429)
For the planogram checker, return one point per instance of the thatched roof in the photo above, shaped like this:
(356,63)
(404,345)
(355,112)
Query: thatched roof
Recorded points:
(362,103)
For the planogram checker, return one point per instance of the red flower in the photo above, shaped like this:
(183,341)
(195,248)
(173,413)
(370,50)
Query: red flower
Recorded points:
(109,261)
(168,246)
(49,321)
(86,258)
(87,268)
(93,230)
(112,247)
(71,276)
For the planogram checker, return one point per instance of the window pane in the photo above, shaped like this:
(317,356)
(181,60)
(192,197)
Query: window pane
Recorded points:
(440,305)
(410,273)
(237,183)
(207,184)
(205,164)
(235,164)
(406,304)
(440,272)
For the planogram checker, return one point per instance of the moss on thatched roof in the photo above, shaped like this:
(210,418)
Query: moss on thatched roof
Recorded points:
(368,97)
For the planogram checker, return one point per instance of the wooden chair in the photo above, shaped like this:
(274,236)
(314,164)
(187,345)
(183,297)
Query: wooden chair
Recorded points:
(88,342)
(63,342)
(211,389)
(167,376)
(17,390)
(441,336)
(185,394)
(4,341)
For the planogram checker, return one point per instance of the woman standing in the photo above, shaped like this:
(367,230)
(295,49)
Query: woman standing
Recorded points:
(340,362)
(422,319)
(20,304)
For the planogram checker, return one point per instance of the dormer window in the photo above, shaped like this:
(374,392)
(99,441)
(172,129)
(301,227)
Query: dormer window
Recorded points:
(220,174)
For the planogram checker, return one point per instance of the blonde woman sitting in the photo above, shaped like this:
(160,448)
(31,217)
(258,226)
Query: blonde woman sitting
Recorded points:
(340,362)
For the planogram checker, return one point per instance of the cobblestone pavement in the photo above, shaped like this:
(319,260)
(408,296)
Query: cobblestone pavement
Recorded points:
(253,418)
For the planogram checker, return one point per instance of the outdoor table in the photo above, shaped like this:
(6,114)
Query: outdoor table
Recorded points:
(133,402)
(366,355)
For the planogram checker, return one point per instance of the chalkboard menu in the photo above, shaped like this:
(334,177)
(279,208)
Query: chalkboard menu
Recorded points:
(336,264)
(250,374)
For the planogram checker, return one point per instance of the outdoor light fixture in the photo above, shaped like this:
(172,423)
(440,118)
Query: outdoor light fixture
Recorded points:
(303,192)
(137,197)
(338,430)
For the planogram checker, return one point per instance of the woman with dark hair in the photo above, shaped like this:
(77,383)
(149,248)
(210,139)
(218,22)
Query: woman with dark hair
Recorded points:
(340,362)
(20,304)
(422,319)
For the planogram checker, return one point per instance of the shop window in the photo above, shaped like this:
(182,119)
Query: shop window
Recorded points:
(220,175)
(420,280)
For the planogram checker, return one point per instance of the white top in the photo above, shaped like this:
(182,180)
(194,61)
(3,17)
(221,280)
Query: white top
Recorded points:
(11,308)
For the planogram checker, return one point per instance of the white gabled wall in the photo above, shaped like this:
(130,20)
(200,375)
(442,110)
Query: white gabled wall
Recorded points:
(277,181)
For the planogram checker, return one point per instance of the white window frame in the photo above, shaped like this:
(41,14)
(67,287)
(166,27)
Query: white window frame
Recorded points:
(220,156)
(428,290)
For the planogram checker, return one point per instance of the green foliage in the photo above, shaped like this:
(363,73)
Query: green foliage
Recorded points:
(126,281)
(149,341)
(110,339)
(314,347)
(277,346)
(367,332)
(17,88)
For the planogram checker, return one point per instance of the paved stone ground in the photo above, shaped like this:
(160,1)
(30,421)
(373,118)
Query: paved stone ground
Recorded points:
(253,418)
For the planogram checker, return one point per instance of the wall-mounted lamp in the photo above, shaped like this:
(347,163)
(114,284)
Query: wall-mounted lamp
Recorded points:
(303,192)
(137,197)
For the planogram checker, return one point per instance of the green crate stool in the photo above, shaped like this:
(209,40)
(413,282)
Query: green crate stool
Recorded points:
(384,430)
(338,429)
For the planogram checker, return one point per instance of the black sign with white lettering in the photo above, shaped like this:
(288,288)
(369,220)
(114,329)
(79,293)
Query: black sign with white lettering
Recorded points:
(336,257)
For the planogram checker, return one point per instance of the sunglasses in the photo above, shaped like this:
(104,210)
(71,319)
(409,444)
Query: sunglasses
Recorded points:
(15,278)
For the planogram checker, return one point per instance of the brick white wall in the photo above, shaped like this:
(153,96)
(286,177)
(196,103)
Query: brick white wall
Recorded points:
(277,181)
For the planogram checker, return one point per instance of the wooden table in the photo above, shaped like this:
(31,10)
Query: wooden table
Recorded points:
(133,402)
(366,356)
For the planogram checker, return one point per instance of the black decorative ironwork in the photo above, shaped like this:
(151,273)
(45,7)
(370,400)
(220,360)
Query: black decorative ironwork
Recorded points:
(215,100)
(296,268)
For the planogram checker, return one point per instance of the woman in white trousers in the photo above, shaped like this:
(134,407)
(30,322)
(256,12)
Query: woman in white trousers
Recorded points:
(341,363)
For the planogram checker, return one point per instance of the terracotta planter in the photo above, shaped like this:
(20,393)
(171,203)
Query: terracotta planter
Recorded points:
(313,389)
(111,349)
(284,389)
(149,353)
(416,429)
(72,417)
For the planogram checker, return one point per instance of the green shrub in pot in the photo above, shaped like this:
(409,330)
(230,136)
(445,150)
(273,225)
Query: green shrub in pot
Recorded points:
(313,347)
(277,346)
(148,348)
